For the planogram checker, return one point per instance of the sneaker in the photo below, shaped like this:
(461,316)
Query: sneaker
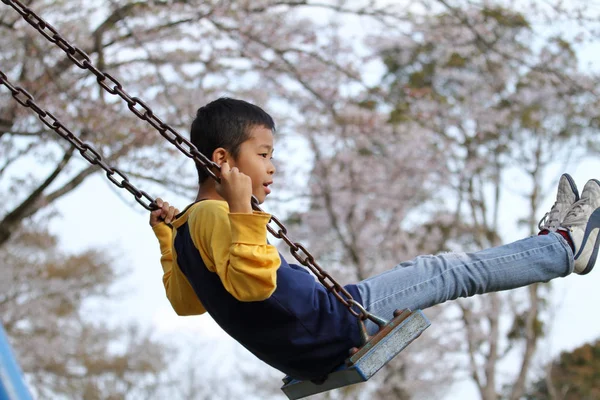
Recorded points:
(566,196)
(582,222)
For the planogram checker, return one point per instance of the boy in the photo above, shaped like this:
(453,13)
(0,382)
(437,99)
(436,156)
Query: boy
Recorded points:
(216,258)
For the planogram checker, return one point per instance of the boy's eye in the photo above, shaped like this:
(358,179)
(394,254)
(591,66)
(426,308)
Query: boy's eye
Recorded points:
(264,155)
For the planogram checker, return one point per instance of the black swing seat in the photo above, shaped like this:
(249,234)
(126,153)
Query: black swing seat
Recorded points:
(362,365)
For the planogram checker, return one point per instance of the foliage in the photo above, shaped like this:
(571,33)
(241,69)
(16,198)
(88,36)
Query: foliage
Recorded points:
(475,94)
(510,106)
(398,168)
(63,351)
(573,375)
(176,56)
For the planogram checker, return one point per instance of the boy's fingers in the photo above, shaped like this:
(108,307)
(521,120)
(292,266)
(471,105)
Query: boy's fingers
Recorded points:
(170,215)
(225,168)
(165,209)
(155,217)
(164,212)
(159,203)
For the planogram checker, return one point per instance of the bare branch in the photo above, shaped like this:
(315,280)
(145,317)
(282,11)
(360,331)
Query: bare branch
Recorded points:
(15,157)
(380,14)
(27,207)
(492,355)
(5,126)
(531,338)
(326,192)
(471,346)
(282,56)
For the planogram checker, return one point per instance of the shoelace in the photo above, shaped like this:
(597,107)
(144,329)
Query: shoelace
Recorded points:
(576,214)
(550,219)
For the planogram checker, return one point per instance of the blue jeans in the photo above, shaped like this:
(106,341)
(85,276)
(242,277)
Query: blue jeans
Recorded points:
(429,280)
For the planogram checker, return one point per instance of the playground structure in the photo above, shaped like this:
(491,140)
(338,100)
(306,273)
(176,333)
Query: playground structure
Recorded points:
(12,384)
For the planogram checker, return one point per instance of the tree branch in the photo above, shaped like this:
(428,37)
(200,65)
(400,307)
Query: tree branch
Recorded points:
(36,200)
(492,356)
(483,44)
(326,193)
(80,177)
(531,336)
(471,346)
(15,157)
(27,207)
(379,13)
(5,126)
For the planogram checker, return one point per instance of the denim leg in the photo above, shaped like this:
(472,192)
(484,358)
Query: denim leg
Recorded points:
(429,280)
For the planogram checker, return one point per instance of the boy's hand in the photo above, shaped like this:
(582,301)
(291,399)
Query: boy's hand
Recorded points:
(165,213)
(236,189)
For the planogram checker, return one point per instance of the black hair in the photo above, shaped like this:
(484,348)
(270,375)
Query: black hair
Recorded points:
(225,123)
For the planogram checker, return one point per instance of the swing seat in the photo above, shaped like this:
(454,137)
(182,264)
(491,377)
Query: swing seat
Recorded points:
(362,365)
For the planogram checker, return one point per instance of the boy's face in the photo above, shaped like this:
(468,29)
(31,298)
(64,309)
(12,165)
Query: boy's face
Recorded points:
(255,160)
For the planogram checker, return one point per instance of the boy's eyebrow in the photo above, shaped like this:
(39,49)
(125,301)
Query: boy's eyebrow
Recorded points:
(266,146)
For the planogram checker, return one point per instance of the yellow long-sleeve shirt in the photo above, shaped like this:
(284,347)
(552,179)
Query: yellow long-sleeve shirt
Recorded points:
(234,246)
(278,311)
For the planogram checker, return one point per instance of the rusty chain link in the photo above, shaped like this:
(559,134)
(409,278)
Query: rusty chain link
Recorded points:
(87,150)
(112,86)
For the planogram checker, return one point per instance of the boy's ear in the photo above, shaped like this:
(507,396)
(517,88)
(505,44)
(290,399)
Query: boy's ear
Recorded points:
(220,155)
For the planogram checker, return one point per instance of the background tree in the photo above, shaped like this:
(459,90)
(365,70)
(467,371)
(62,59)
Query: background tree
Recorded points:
(487,105)
(176,56)
(573,375)
(476,73)
(63,347)
(499,117)
(368,176)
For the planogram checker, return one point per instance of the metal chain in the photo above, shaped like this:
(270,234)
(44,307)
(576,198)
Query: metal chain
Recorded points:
(145,113)
(87,151)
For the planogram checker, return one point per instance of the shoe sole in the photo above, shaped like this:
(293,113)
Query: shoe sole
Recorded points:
(573,185)
(593,223)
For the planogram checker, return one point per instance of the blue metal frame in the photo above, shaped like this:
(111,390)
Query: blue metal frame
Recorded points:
(12,385)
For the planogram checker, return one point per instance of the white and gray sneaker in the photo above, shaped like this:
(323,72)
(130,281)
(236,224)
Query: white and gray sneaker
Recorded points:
(582,222)
(566,196)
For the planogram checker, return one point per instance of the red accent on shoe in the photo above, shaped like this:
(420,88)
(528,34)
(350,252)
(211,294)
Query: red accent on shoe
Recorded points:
(565,234)
(544,232)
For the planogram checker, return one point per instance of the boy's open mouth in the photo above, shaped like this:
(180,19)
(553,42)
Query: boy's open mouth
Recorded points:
(267,188)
